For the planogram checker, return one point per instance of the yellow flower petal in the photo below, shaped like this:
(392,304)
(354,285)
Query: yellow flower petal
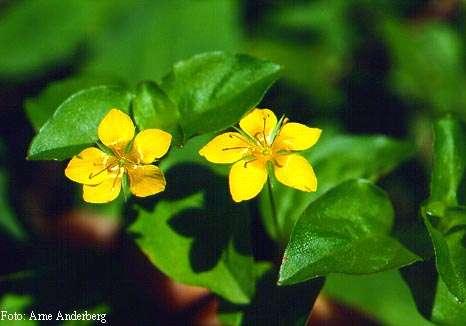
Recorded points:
(296,172)
(150,144)
(116,129)
(259,122)
(105,191)
(145,180)
(88,167)
(296,137)
(225,148)
(247,179)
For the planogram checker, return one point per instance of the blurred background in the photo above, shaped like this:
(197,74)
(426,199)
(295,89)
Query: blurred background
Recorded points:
(358,66)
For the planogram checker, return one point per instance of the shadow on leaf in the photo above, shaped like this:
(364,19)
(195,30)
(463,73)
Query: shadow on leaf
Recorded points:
(213,225)
(278,305)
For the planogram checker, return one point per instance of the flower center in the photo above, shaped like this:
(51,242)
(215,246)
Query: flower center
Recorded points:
(261,149)
(266,151)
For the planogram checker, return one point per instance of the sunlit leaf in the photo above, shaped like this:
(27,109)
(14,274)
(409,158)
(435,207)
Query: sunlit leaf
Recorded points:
(445,222)
(442,297)
(335,159)
(447,310)
(450,255)
(193,232)
(383,296)
(213,90)
(449,162)
(39,109)
(344,231)
(153,109)
(74,124)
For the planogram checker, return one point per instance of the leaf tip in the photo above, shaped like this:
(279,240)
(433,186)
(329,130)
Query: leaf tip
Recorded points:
(283,277)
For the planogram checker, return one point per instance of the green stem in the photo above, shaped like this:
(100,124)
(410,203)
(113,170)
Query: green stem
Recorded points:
(276,225)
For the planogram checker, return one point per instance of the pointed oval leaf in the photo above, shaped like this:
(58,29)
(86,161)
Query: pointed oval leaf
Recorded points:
(40,108)
(335,159)
(450,255)
(213,90)
(443,219)
(74,124)
(152,108)
(344,231)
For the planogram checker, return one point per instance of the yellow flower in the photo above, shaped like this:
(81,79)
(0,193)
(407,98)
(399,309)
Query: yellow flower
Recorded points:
(263,141)
(101,173)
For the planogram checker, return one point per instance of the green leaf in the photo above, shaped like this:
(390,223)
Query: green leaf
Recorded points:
(443,219)
(189,154)
(40,108)
(20,304)
(335,159)
(447,310)
(448,163)
(383,296)
(433,299)
(213,90)
(344,231)
(153,109)
(8,221)
(450,255)
(15,302)
(37,34)
(132,45)
(299,35)
(427,64)
(442,297)
(195,234)
(74,124)
(272,304)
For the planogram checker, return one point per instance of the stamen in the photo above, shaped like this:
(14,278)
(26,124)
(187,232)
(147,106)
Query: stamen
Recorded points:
(278,126)
(116,178)
(247,162)
(284,152)
(238,147)
(91,175)
(244,158)
(246,135)
(275,162)
(263,130)
(233,135)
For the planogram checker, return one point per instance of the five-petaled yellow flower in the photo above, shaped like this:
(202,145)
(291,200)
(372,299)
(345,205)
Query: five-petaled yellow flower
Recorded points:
(263,141)
(101,173)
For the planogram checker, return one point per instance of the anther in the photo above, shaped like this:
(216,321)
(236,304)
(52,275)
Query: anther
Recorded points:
(247,162)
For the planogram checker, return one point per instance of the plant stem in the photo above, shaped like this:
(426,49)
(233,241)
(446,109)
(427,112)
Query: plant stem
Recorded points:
(276,225)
